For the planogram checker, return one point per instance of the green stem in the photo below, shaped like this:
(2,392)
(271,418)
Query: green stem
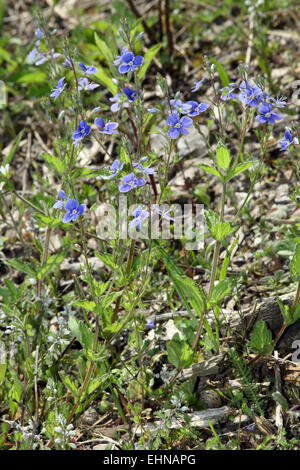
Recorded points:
(213,270)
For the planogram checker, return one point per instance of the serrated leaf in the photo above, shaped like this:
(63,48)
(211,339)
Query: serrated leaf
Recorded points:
(211,218)
(261,339)
(71,386)
(238,169)
(180,354)
(94,384)
(289,316)
(221,230)
(51,222)
(223,157)
(107,259)
(220,291)
(56,162)
(147,60)
(211,170)
(51,263)
(21,266)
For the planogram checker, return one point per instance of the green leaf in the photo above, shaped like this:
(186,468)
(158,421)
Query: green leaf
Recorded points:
(71,386)
(107,259)
(106,52)
(238,169)
(180,354)
(220,291)
(211,218)
(51,263)
(221,71)
(287,314)
(223,157)
(279,398)
(261,339)
(212,171)
(21,266)
(11,154)
(95,383)
(295,264)
(51,222)
(33,77)
(82,333)
(106,80)
(221,230)
(56,162)
(147,60)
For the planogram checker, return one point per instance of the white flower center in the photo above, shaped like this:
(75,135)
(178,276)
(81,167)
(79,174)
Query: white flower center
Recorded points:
(74,211)
(268,115)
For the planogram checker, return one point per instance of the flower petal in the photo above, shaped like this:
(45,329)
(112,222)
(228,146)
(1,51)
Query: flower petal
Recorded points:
(71,204)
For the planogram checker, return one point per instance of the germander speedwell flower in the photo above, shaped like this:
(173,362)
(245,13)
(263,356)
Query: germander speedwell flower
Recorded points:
(129,62)
(178,126)
(267,115)
(73,210)
(59,88)
(82,130)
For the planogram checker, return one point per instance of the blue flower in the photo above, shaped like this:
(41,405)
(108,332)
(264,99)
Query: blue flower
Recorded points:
(118,102)
(180,107)
(153,110)
(43,56)
(143,169)
(130,94)
(150,324)
(251,94)
(129,62)
(163,214)
(84,84)
(33,53)
(267,115)
(178,126)
(279,102)
(82,130)
(228,92)
(197,85)
(59,203)
(89,70)
(59,88)
(131,181)
(109,128)
(139,215)
(118,59)
(39,33)
(114,169)
(196,108)
(67,62)
(73,210)
(288,140)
